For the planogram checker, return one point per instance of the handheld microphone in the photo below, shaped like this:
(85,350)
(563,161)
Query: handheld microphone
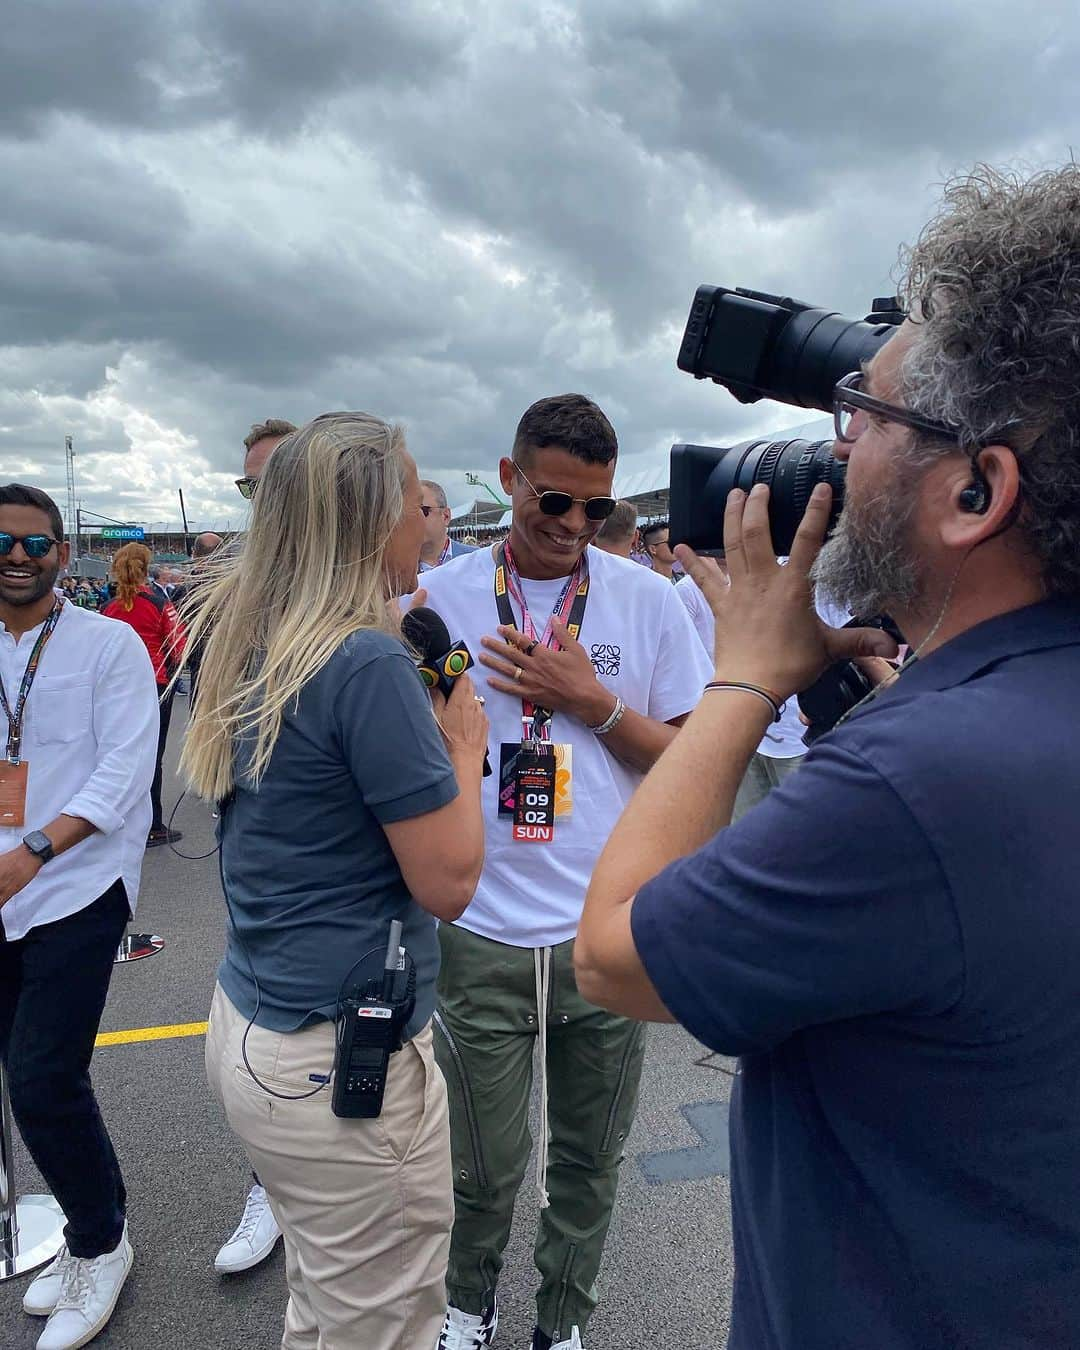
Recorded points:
(441,661)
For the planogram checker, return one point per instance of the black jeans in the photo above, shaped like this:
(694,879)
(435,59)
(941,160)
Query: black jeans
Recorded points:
(165,710)
(53,984)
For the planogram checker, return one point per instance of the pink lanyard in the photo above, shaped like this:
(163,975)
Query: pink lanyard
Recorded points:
(536,722)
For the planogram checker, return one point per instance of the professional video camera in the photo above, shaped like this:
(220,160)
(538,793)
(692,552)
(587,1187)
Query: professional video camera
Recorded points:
(766,346)
(770,346)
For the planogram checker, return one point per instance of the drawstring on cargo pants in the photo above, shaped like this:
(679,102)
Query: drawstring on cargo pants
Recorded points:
(542,969)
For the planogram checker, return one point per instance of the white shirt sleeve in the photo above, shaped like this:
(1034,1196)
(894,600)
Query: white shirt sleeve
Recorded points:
(701,616)
(683,667)
(126,723)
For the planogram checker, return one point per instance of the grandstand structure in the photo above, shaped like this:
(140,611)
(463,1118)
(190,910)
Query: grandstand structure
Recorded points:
(92,551)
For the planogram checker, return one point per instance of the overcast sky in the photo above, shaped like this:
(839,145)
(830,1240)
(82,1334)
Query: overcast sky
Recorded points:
(219,212)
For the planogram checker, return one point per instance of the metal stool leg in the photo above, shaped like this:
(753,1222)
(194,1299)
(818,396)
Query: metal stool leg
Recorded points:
(31,1228)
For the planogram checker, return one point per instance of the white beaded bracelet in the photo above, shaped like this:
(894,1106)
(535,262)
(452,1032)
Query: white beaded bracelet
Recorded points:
(613,721)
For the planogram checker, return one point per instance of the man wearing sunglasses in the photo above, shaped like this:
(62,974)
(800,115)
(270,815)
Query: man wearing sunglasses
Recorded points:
(78,734)
(656,538)
(592,665)
(259,445)
(438,547)
(891,943)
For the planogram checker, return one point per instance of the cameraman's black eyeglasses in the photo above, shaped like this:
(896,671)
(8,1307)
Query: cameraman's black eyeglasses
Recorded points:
(849,399)
(34,545)
(247,487)
(558,503)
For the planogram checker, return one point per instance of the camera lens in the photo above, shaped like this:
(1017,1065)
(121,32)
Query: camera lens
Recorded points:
(702,476)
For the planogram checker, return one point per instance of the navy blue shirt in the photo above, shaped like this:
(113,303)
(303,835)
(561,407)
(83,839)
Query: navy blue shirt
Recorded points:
(891,944)
(311,880)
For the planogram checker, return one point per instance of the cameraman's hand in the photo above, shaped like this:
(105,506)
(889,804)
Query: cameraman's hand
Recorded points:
(463,722)
(767,631)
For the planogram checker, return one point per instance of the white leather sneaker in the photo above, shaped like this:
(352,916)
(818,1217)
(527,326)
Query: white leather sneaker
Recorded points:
(254,1239)
(469,1331)
(88,1292)
(43,1291)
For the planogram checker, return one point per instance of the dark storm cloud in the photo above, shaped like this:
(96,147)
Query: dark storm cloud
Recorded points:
(782,99)
(127,63)
(443,211)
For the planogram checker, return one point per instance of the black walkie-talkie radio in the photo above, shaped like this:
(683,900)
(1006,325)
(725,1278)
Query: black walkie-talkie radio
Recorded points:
(369,1031)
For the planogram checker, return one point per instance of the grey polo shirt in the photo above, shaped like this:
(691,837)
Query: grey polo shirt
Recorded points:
(311,881)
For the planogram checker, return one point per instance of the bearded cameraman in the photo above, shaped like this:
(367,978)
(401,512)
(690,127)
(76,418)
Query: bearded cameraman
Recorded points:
(891,944)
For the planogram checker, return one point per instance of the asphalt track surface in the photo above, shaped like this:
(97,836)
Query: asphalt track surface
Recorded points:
(666,1278)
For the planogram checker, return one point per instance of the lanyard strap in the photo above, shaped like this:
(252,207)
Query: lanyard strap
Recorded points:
(445,552)
(570,608)
(15,719)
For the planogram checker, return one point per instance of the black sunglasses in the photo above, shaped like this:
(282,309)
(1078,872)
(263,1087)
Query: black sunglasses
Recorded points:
(247,487)
(34,545)
(558,503)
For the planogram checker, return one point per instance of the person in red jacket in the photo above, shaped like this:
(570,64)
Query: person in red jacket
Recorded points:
(154,618)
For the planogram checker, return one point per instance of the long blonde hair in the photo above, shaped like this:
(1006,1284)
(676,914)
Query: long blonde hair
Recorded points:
(131,572)
(278,602)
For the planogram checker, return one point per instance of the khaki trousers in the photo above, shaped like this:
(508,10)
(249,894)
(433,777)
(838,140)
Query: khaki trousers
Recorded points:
(365,1206)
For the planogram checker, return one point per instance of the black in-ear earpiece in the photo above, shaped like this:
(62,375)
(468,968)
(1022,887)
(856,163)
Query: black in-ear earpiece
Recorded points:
(976,497)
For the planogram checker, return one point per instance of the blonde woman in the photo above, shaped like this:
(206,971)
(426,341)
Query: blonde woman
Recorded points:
(347,802)
(151,613)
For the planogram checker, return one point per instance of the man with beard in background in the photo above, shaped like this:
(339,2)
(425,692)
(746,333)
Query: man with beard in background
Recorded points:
(890,941)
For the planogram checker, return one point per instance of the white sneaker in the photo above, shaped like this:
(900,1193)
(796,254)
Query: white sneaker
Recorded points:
(43,1291)
(88,1293)
(254,1239)
(468,1331)
(574,1343)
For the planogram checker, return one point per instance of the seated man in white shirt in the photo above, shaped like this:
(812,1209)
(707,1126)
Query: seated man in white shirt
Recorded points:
(595,658)
(79,735)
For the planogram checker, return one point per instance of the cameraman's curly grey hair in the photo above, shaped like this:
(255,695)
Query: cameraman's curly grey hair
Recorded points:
(994,281)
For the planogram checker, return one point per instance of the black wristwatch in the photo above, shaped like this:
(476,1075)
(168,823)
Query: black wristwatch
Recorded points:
(39,844)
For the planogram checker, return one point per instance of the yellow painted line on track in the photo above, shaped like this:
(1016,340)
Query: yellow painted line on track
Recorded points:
(152,1033)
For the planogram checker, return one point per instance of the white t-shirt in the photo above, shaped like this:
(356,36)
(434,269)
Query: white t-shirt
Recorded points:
(644,649)
(784,739)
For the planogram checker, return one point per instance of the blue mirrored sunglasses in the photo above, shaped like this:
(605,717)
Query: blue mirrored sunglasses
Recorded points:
(34,545)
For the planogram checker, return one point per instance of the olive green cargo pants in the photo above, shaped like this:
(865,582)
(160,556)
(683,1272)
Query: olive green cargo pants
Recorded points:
(486,1030)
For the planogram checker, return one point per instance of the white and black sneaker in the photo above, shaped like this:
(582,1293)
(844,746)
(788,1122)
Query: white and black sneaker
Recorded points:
(542,1342)
(469,1331)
